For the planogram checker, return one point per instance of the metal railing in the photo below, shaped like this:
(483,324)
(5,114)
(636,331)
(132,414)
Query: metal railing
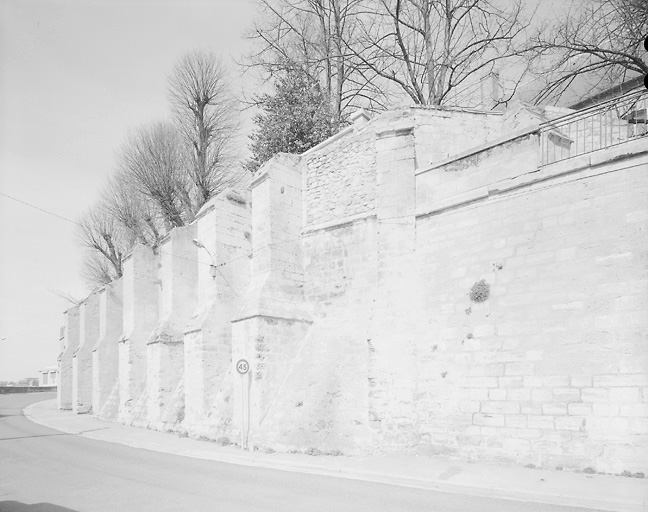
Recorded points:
(597,127)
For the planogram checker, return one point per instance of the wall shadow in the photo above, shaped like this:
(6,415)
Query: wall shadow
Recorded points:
(16,506)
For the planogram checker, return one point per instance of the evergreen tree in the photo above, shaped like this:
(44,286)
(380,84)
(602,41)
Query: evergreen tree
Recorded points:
(294,119)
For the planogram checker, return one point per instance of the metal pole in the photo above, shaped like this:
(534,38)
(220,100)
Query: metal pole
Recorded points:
(242,413)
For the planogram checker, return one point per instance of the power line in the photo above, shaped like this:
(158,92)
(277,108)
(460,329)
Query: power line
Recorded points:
(40,209)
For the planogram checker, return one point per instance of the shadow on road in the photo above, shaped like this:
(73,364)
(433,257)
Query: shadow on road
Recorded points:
(53,435)
(29,437)
(16,506)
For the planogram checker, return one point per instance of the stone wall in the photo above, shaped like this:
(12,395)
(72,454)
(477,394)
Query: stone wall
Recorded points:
(550,369)
(140,318)
(105,354)
(344,280)
(223,228)
(82,358)
(177,276)
(69,343)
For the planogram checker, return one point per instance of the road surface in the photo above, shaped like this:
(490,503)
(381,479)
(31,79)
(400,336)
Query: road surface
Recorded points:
(44,470)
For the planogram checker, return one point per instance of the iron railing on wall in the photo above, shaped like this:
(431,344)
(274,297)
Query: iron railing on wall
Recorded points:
(597,127)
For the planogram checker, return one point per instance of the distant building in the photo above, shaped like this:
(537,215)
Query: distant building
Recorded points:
(48,376)
(608,94)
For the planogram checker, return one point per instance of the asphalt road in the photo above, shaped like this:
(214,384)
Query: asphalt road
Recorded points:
(44,470)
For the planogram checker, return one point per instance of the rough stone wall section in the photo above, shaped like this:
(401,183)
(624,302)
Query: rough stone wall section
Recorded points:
(139,320)
(340,180)
(339,177)
(82,358)
(69,342)
(105,355)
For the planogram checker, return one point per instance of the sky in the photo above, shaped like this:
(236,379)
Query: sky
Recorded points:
(75,77)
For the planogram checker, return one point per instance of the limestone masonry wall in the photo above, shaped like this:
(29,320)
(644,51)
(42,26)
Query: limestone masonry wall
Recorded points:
(105,354)
(425,282)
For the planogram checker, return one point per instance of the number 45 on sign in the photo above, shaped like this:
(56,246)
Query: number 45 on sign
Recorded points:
(242,366)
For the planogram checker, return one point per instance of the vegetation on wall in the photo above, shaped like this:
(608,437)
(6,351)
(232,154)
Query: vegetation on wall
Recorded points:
(293,120)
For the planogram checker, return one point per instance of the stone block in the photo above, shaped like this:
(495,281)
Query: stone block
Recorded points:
(497,394)
(580,382)
(541,395)
(500,407)
(519,394)
(566,394)
(544,422)
(636,410)
(624,394)
(511,382)
(480,382)
(517,445)
(559,381)
(469,406)
(516,421)
(488,420)
(529,433)
(572,423)
(620,380)
(554,408)
(579,409)
(594,395)
(605,409)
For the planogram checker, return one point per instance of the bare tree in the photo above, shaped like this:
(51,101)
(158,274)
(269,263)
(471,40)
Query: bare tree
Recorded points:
(155,161)
(136,212)
(430,48)
(107,243)
(96,270)
(207,115)
(598,40)
(66,296)
(314,36)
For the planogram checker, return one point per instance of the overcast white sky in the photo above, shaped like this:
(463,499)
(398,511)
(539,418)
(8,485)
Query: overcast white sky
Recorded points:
(74,77)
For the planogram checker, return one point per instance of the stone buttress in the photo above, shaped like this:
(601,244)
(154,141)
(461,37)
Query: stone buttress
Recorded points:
(140,318)
(223,234)
(105,353)
(177,283)
(82,359)
(273,319)
(69,344)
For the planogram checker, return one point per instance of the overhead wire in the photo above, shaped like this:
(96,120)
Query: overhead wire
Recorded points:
(39,208)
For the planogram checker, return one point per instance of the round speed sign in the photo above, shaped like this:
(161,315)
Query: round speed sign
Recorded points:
(242,366)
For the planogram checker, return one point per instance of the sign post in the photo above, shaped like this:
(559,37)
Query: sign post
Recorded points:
(243,367)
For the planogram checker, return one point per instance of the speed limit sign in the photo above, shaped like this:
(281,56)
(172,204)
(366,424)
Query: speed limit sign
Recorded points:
(242,366)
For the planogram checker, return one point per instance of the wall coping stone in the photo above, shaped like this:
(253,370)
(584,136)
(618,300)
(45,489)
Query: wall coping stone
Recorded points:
(262,315)
(544,173)
(395,132)
(339,135)
(481,148)
(339,223)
